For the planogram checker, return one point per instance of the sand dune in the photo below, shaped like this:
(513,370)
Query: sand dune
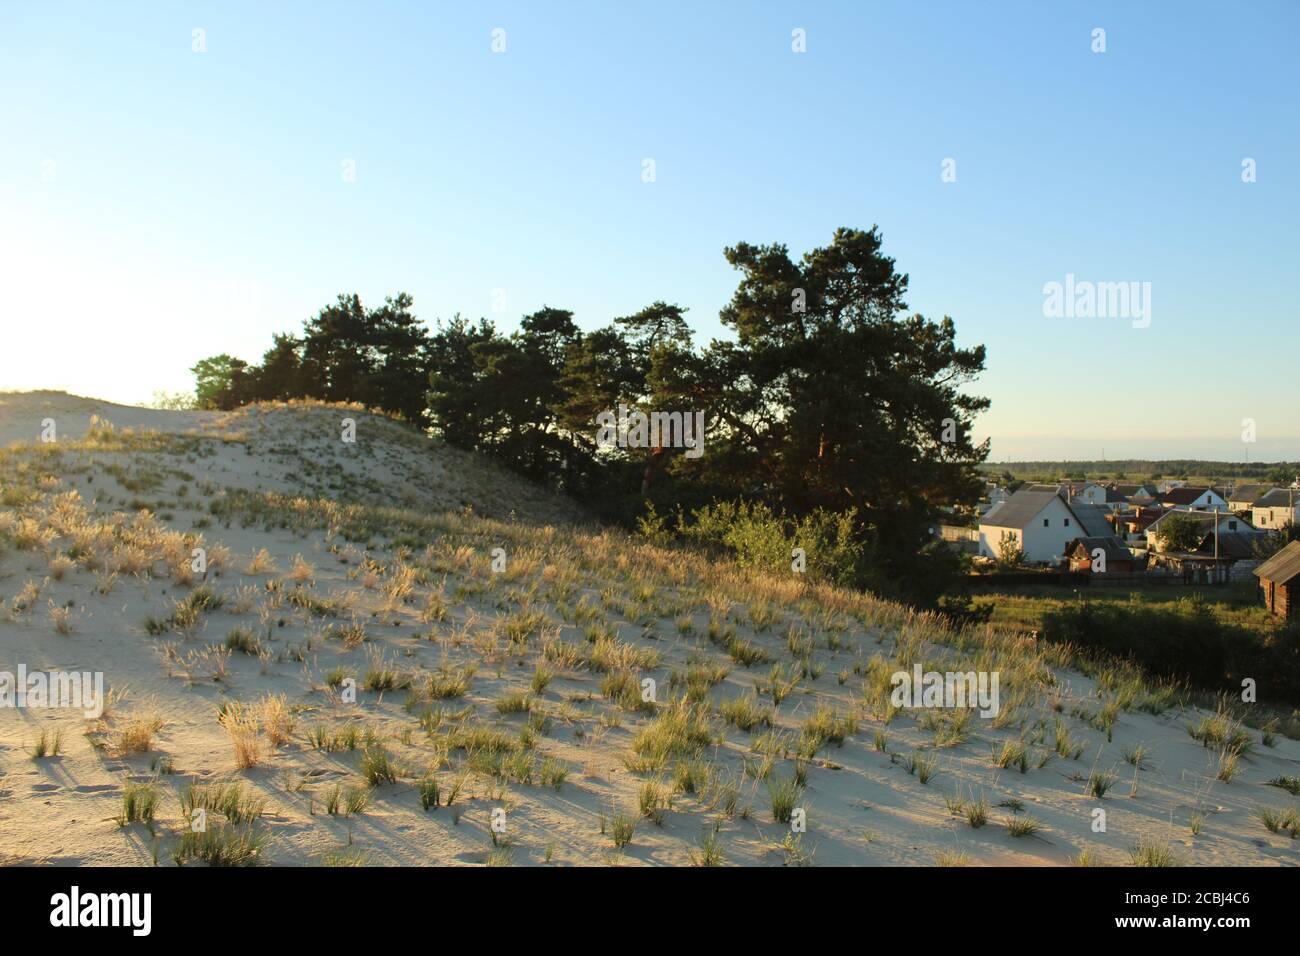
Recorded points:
(509,699)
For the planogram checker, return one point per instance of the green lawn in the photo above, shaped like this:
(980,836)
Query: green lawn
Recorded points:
(1237,603)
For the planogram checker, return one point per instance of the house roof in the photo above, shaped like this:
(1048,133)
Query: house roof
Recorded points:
(1283,566)
(1092,518)
(1110,545)
(1021,508)
(1276,498)
(1142,517)
(1027,503)
(1128,491)
(1238,545)
(1204,522)
(1058,489)
(1183,496)
(1251,493)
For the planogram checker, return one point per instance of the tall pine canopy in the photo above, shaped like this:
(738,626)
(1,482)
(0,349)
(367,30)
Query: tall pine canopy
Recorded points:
(827,397)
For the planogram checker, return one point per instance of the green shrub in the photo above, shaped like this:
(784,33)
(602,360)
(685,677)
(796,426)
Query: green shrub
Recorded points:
(1183,642)
(763,539)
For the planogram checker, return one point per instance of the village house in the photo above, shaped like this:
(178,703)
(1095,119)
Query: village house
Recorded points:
(1097,555)
(1227,521)
(1131,526)
(1279,579)
(1040,522)
(994,495)
(1136,494)
(1229,558)
(1104,496)
(1243,497)
(1193,499)
(1276,509)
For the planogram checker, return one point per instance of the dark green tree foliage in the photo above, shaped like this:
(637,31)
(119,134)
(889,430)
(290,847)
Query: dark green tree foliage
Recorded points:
(1180,532)
(339,355)
(833,397)
(280,375)
(848,403)
(378,357)
(222,382)
(830,400)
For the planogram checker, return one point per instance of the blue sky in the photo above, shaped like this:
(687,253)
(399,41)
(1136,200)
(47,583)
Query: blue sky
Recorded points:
(159,205)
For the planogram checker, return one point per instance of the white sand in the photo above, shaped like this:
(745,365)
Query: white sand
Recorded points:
(862,806)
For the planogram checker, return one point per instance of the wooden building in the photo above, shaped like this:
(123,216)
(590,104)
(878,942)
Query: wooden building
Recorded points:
(1081,552)
(1279,577)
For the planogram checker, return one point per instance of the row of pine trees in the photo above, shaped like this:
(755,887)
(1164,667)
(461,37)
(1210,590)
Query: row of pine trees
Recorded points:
(828,397)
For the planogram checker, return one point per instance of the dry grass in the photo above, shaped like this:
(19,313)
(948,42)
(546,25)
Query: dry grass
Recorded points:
(240,725)
(277,719)
(62,618)
(60,565)
(136,734)
(301,571)
(260,563)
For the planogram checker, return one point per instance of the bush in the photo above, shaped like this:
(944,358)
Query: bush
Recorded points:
(1185,642)
(763,539)
(1180,532)
(895,556)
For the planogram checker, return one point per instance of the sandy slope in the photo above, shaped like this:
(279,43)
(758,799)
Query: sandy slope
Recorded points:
(862,805)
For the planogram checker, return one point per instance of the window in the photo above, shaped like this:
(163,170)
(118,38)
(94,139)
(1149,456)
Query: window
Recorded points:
(1047,522)
(1067,522)
(1232,526)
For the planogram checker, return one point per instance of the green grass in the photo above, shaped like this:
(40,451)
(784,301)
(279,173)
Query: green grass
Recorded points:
(241,640)
(745,713)
(710,850)
(48,744)
(139,803)
(1025,606)
(784,796)
(1022,826)
(516,702)
(552,773)
(621,829)
(1099,783)
(224,845)
(377,766)
(1152,852)
(1290,784)
(230,800)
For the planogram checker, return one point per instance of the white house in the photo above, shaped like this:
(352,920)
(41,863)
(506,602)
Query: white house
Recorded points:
(1103,496)
(1276,509)
(1244,496)
(994,495)
(1039,521)
(1190,498)
(1137,494)
(1093,493)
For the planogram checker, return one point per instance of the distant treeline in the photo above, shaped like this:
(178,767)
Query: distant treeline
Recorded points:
(831,400)
(1137,469)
